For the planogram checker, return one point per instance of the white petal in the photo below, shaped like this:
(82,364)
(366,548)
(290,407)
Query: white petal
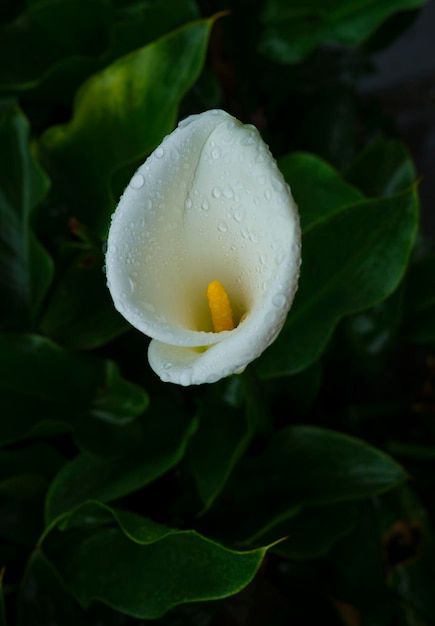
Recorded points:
(208,204)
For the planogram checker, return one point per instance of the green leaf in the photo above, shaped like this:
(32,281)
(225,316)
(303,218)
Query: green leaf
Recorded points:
(120,115)
(99,33)
(79,313)
(292,31)
(143,569)
(223,435)
(25,267)
(45,389)
(351,261)
(371,334)
(318,189)
(419,322)
(25,474)
(43,594)
(311,533)
(382,169)
(159,446)
(51,32)
(304,465)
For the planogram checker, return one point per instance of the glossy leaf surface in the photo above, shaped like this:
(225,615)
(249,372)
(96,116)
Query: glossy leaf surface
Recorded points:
(355,271)
(142,568)
(146,84)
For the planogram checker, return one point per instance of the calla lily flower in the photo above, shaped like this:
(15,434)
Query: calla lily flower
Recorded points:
(203,252)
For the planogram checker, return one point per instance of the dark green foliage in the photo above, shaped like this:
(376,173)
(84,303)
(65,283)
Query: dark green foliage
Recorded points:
(297,492)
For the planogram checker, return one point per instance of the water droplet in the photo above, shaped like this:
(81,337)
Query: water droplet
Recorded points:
(279,300)
(253,237)
(186,376)
(167,366)
(137,181)
(238,215)
(267,194)
(148,204)
(205,205)
(227,192)
(245,233)
(262,179)
(159,152)
(216,193)
(222,227)
(131,284)
(279,258)
(216,152)
(277,184)
(188,203)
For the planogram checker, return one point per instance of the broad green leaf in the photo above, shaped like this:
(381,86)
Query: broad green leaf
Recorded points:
(159,446)
(143,22)
(120,115)
(292,31)
(351,261)
(25,267)
(43,595)
(37,456)
(142,568)
(99,34)
(371,334)
(318,189)
(51,32)
(419,322)
(25,474)
(311,533)
(79,312)
(303,465)
(46,389)
(382,169)
(223,434)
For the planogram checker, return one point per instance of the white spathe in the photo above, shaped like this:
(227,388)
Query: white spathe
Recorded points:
(208,204)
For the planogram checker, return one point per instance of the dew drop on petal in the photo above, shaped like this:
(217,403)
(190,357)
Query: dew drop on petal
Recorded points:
(216,152)
(216,193)
(186,376)
(267,194)
(222,227)
(227,192)
(188,203)
(279,300)
(205,205)
(279,258)
(159,152)
(137,181)
(238,215)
